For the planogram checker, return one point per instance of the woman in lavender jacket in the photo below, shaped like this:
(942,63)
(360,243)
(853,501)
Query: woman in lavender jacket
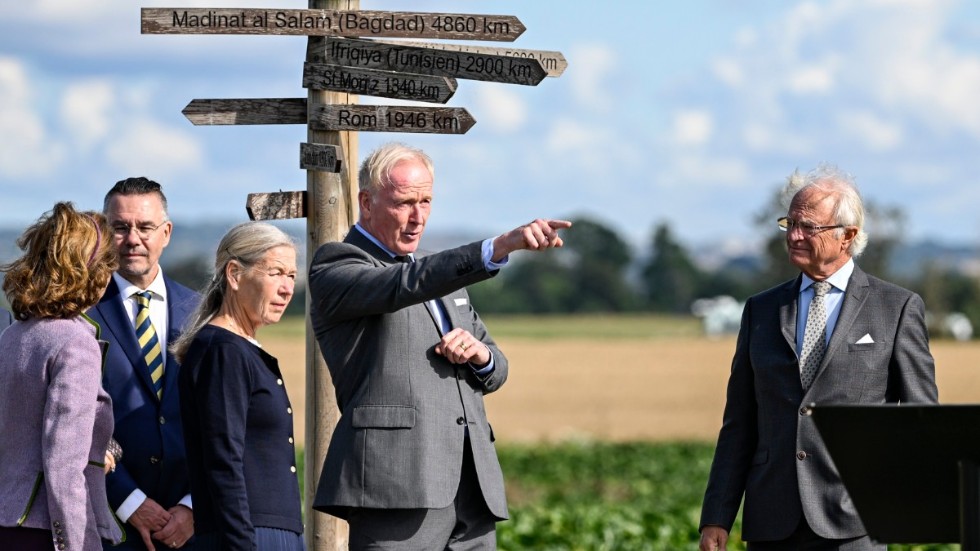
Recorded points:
(55,419)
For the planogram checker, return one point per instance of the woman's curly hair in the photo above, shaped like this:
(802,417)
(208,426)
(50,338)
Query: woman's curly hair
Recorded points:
(67,262)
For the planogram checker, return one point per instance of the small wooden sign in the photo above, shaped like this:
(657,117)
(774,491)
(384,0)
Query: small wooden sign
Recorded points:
(320,156)
(372,82)
(203,112)
(320,22)
(282,205)
(554,63)
(352,52)
(390,118)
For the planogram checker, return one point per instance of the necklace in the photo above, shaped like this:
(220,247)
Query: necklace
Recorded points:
(233,326)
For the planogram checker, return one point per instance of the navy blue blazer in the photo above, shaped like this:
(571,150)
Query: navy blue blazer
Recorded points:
(148,429)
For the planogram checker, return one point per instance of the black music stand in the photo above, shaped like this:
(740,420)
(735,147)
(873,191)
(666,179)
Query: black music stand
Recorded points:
(912,470)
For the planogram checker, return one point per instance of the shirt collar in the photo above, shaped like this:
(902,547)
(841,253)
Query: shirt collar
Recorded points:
(158,286)
(372,239)
(837,280)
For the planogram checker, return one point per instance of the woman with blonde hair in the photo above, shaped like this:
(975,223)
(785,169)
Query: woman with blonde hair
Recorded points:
(55,418)
(237,419)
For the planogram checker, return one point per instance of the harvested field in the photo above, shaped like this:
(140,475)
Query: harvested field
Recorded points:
(623,389)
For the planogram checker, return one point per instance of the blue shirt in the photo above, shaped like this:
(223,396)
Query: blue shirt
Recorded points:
(832,301)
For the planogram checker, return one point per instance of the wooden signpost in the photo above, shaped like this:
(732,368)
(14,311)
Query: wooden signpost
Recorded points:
(554,63)
(340,63)
(372,82)
(390,118)
(352,52)
(323,22)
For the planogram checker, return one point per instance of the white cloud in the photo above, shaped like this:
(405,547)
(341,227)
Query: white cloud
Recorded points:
(872,131)
(567,135)
(811,80)
(728,71)
(589,75)
(500,108)
(25,149)
(706,172)
(148,147)
(692,127)
(85,110)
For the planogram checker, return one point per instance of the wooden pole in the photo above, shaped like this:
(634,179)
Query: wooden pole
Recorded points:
(331,210)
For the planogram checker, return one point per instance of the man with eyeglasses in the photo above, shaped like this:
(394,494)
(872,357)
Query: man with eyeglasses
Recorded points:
(832,335)
(140,313)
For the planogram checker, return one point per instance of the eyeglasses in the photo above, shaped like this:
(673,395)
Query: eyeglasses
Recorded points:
(787,224)
(143,231)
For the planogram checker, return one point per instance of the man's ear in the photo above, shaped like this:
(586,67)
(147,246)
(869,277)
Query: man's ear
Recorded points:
(364,202)
(850,232)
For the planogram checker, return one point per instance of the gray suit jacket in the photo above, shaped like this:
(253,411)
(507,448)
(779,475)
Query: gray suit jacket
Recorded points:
(404,409)
(55,423)
(769,448)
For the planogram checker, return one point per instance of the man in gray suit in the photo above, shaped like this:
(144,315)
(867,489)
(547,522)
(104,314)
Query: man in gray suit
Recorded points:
(411,464)
(832,335)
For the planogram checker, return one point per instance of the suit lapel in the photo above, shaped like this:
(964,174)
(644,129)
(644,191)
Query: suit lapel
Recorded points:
(117,322)
(788,308)
(851,306)
(178,310)
(356,238)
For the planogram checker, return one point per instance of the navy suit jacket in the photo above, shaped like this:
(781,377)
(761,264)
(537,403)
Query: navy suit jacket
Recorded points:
(148,429)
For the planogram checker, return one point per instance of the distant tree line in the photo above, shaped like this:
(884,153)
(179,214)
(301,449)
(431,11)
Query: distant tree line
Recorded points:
(598,272)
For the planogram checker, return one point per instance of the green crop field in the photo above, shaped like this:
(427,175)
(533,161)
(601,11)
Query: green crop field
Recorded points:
(616,453)
(592,496)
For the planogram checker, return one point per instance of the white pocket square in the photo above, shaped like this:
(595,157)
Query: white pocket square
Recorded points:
(460,301)
(866,339)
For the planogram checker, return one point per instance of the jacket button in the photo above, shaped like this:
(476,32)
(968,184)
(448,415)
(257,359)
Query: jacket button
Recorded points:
(57,524)
(290,439)
(162,420)
(801,455)
(805,410)
(292,469)
(279,382)
(154,459)
(289,411)
(460,421)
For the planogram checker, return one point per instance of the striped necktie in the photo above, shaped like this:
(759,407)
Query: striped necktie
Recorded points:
(149,343)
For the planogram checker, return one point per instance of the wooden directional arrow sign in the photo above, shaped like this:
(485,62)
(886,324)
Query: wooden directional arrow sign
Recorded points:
(390,118)
(320,156)
(372,82)
(554,63)
(282,205)
(352,52)
(246,111)
(319,22)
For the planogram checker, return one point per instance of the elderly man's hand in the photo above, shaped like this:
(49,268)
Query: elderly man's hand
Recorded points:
(149,517)
(459,346)
(180,528)
(539,235)
(713,538)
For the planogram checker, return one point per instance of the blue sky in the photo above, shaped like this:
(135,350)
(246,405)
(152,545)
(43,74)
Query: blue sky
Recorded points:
(687,112)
